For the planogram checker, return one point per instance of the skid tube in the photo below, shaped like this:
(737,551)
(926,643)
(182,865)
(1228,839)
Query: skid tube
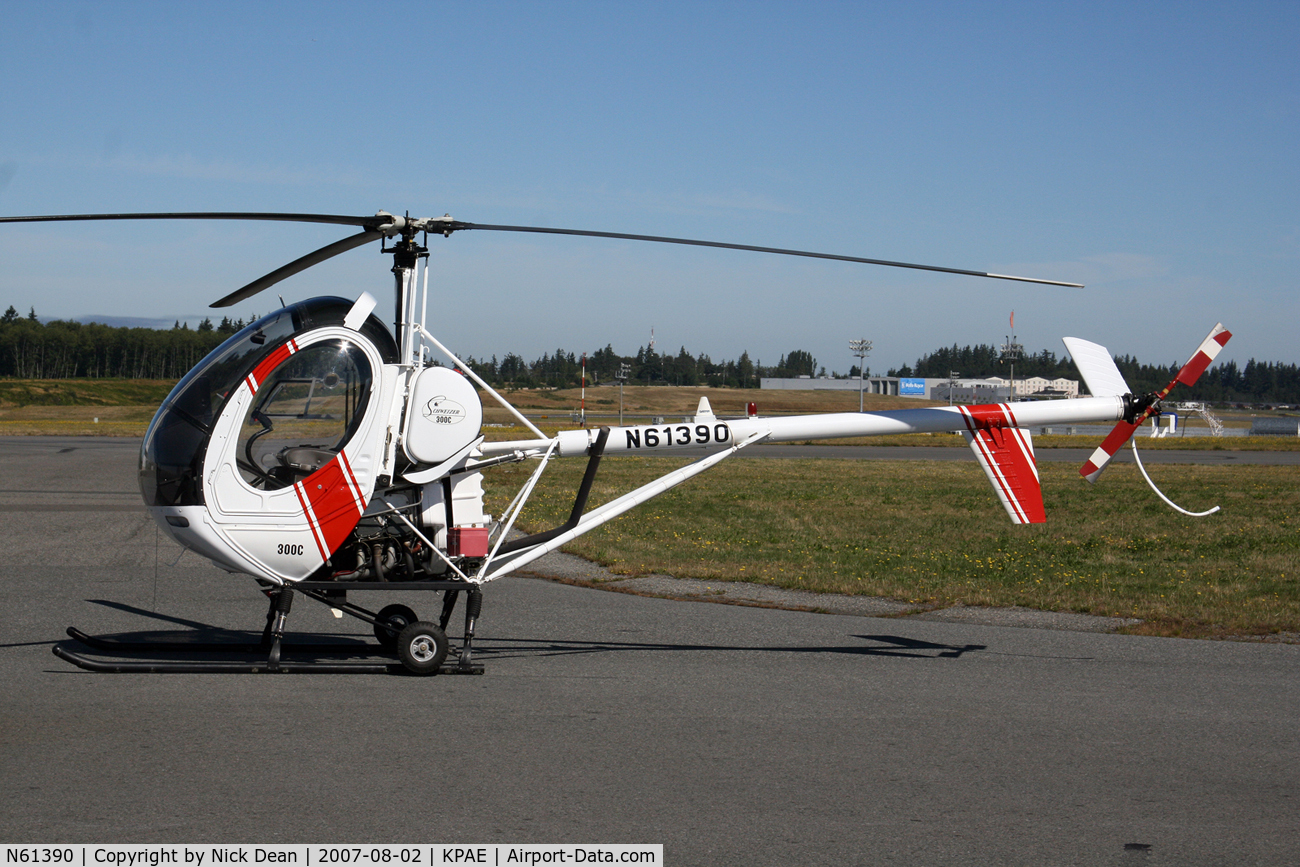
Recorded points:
(332,594)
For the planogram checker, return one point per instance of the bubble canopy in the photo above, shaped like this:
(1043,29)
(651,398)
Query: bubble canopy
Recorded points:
(171,457)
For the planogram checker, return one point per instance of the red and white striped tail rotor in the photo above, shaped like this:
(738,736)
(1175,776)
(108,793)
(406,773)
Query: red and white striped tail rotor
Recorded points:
(1114,441)
(1124,430)
(1204,356)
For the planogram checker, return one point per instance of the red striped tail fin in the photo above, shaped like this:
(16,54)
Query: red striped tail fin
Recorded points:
(1006,453)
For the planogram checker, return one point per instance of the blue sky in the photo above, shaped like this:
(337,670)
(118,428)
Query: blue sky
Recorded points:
(1147,150)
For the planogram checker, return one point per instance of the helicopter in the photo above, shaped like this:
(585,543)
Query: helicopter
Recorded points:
(323,454)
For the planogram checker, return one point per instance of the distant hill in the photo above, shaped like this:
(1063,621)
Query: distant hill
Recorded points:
(120,321)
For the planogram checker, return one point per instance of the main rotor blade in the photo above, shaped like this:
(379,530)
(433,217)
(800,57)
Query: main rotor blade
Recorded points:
(370,222)
(326,252)
(457,225)
(387,224)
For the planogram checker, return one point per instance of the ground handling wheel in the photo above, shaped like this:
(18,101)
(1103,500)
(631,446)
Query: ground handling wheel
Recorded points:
(392,619)
(422,647)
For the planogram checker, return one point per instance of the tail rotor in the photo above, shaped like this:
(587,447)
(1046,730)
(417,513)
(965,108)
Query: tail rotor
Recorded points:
(1139,409)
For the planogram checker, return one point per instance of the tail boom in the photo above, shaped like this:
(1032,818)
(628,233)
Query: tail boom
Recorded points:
(715,433)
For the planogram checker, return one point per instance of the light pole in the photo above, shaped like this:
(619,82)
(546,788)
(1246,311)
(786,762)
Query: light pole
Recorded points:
(623,370)
(860,348)
(1010,352)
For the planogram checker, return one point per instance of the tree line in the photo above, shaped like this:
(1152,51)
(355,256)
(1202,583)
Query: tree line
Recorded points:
(983,361)
(565,369)
(60,349)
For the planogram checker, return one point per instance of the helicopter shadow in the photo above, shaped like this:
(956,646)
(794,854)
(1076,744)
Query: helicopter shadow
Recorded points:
(198,633)
(155,615)
(880,645)
(198,637)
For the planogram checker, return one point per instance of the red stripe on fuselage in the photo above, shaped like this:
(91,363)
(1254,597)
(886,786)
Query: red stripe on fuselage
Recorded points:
(268,364)
(311,521)
(353,484)
(331,501)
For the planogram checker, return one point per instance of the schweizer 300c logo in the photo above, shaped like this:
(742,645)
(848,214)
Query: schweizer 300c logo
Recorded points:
(444,410)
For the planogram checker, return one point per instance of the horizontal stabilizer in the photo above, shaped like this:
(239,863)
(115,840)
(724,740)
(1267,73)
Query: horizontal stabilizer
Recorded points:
(1006,453)
(1097,368)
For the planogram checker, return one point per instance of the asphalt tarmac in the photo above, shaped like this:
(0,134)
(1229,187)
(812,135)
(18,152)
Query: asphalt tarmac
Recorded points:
(731,735)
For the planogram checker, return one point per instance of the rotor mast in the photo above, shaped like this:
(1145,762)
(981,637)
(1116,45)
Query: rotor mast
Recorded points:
(407,254)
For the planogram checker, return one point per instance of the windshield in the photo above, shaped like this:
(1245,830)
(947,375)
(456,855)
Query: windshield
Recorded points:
(171,458)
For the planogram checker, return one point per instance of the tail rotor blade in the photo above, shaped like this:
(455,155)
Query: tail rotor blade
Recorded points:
(1114,441)
(1204,355)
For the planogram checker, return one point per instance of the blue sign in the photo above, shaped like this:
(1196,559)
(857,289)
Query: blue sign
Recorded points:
(911,386)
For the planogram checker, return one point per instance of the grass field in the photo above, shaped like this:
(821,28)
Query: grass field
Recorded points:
(15,393)
(79,407)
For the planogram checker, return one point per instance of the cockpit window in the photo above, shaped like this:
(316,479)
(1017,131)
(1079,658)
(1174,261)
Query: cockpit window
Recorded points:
(218,375)
(304,412)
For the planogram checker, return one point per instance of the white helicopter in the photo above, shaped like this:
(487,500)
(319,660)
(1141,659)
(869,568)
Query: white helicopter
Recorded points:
(322,454)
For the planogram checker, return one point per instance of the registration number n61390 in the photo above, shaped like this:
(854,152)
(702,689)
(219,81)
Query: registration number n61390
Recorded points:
(677,435)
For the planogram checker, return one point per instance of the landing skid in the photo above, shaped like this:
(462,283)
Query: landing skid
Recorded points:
(420,647)
(208,667)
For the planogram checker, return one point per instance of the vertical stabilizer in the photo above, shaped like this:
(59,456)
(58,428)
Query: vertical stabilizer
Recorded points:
(1097,368)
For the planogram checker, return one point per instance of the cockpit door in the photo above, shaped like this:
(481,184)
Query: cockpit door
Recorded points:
(293,456)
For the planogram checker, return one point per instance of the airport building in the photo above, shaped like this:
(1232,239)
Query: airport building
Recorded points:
(870,385)
(994,389)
